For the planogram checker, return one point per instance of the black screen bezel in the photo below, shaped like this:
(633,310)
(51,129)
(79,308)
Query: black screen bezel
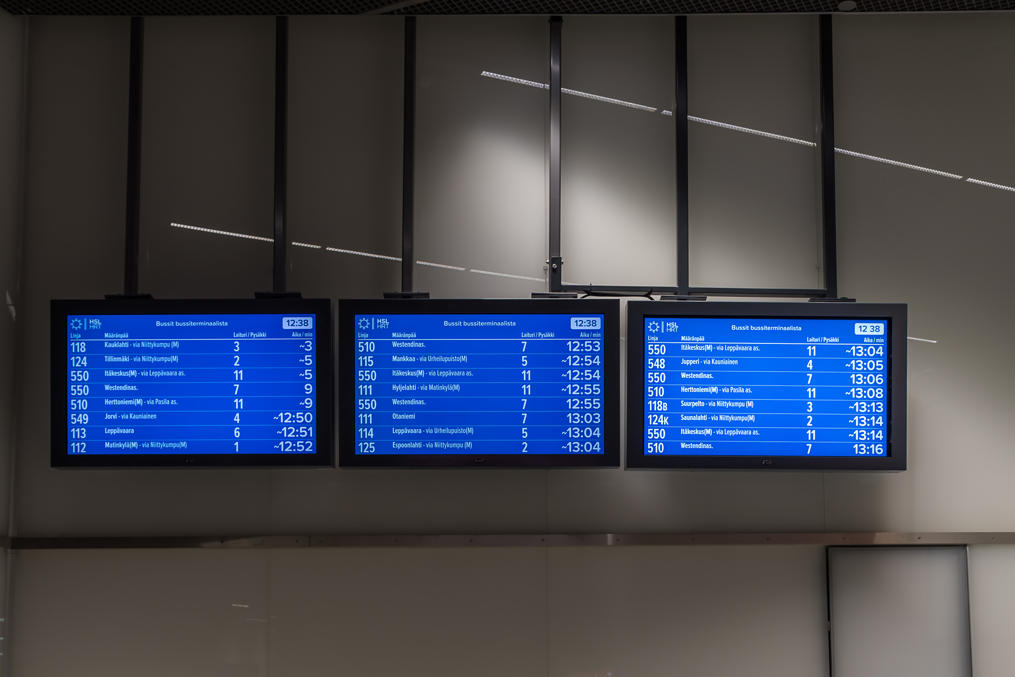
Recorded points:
(347,309)
(60,309)
(895,314)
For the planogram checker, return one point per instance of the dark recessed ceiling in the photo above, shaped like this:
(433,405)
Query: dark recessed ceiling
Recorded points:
(295,7)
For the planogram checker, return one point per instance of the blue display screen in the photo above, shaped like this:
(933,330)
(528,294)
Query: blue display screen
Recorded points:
(766,387)
(479,383)
(191,384)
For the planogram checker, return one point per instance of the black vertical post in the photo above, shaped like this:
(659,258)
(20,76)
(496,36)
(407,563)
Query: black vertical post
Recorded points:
(281,128)
(408,153)
(826,146)
(680,123)
(132,239)
(555,262)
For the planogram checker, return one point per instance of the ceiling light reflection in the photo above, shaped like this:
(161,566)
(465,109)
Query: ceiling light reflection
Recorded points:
(354,252)
(517,81)
(896,163)
(440,265)
(572,92)
(988,184)
(757,132)
(748,130)
(227,233)
(511,275)
(609,99)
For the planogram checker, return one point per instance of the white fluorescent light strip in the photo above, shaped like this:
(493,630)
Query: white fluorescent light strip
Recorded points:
(921,340)
(748,130)
(441,265)
(227,233)
(368,254)
(517,81)
(607,99)
(354,252)
(516,277)
(572,92)
(896,163)
(988,184)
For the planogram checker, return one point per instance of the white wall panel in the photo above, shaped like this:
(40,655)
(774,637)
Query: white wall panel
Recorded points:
(73,241)
(992,608)
(618,191)
(480,155)
(406,501)
(207,155)
(345,154)
(899,611)
(647,500)
(392,612)
(687,611)
(77,108)
(753,200)
(120,613)
(939,244)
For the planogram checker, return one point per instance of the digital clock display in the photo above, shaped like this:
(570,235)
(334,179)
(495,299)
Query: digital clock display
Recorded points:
(586,323)
(297,322)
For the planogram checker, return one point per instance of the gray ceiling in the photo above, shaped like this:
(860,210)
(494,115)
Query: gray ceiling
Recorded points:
(294,7)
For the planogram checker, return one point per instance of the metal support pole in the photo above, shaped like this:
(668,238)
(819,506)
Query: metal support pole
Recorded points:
(554,261)
(281,140)
(132,238)
(826,146)
(680,122)
(408,153)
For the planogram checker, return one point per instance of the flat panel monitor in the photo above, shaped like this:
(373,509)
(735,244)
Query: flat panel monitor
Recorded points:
(478,383)
(766,385)
(141,382)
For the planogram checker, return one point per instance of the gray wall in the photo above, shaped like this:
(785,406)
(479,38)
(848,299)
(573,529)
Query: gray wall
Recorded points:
(481,147)
(920,90)
(753,201)
(207,154)
(640,612)
(345,189)
(12,87)
(626,234)
(481,208)
(73,242)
